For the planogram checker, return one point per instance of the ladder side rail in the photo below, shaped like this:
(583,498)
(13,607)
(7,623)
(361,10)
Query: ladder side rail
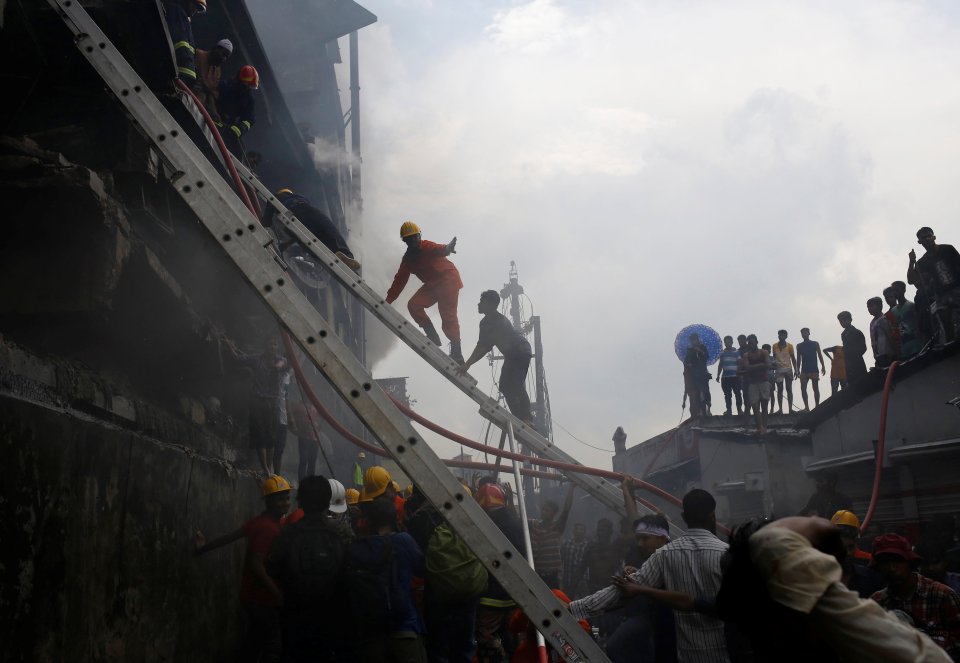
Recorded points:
(235,230)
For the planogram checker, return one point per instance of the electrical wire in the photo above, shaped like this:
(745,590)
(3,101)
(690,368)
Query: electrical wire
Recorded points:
(587,444)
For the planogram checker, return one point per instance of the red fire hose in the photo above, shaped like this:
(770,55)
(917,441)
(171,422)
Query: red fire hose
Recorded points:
(227,158)
(570,467)
(881,442)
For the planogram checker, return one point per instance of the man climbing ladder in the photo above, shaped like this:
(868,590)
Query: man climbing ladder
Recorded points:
(441,285)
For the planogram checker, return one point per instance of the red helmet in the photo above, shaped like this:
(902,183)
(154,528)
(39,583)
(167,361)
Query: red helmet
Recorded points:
(200,5)
(491,495)
(248,76)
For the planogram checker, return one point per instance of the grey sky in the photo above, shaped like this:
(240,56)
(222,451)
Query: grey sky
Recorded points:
(746,165)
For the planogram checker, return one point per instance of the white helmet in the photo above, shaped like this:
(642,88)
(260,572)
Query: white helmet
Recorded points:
(338,497)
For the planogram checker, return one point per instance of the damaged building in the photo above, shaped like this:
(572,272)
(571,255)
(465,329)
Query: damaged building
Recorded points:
(122,406)
(775,474)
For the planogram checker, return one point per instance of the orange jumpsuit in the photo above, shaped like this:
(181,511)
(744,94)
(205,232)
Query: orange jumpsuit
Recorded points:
(441,286)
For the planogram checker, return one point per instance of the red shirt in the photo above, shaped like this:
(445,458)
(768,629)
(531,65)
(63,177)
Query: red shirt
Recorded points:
(261,532)
(429,264)
(291,518)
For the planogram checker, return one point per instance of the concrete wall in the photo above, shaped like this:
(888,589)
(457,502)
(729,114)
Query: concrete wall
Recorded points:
(97,519)
(916,413)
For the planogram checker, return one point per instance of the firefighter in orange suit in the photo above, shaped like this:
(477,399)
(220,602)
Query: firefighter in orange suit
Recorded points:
(441,285)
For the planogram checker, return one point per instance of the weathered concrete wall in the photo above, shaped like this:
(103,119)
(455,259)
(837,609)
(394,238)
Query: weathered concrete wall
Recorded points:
(917,413)
(122,421)
(97,521)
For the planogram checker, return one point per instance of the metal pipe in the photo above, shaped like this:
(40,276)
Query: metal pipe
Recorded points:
(522,503)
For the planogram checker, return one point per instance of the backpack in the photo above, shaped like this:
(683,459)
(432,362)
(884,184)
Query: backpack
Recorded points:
(454,574)
(314,561)
(373,589)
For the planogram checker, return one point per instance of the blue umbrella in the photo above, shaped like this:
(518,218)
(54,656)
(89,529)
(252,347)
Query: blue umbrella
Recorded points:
(711,341)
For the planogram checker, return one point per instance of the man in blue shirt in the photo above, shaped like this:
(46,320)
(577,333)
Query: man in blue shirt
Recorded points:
(727,376)
(807,354)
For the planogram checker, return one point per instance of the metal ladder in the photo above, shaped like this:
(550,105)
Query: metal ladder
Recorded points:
(240,235)
(601,489)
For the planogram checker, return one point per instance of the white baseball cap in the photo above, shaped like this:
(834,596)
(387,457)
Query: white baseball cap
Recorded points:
(226,44)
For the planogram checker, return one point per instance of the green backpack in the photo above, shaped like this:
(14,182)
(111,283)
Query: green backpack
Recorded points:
(454,574)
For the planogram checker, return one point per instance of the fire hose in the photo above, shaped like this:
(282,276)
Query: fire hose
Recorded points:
(253,206)
(881,443)
(545,462)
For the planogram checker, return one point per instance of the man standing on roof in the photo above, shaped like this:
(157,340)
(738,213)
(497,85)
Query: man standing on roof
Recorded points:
(937,274)
(753,367)
(786,365)
(808,352)
(854,347)
(441,285)
(318,223)
(727,375)
(178,14)
(496,330)
(235,106)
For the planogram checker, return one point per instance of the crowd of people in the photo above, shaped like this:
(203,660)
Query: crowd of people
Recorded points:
(377,575)
(750,376)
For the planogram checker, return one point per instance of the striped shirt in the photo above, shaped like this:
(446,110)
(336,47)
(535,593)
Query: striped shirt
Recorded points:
(545,541)
(728,363)
(690,564)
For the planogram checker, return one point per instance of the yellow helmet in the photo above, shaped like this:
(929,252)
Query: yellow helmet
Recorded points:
(847,518)
(353,496)
(283,191)
(409,229)
(375,482)
(274,484)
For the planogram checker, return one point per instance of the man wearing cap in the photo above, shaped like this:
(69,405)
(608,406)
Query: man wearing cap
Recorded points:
(377,486)
(495,603)
(428,261)
(209,69)
(857,576)
(235,105)
(259,594)
(932,607)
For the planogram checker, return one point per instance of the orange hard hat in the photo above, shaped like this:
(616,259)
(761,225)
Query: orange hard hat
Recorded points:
(248,76)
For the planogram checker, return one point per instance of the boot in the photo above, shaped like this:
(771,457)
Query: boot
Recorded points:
(431,333)
(348,261)
(455,352)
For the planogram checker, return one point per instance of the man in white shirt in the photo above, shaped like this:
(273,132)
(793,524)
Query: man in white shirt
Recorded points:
(691,565)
